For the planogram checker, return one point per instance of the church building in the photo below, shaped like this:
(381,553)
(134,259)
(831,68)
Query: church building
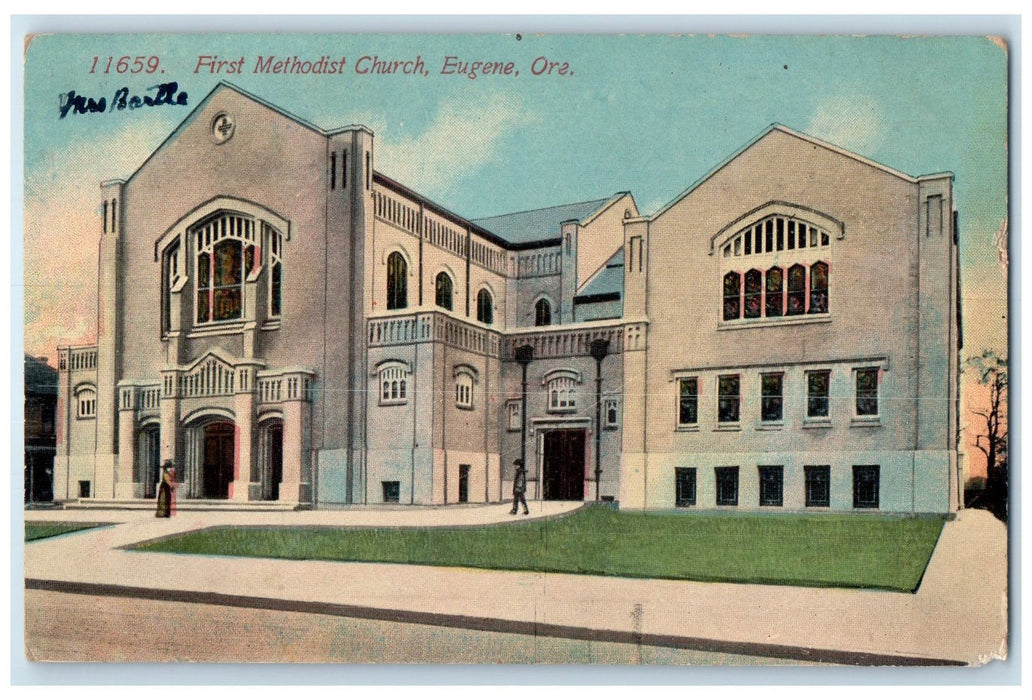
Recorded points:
(289,325)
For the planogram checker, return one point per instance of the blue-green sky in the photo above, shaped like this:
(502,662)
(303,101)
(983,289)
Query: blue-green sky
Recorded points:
(645,114)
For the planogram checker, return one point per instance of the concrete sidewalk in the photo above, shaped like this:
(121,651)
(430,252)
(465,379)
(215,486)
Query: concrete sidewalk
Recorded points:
(959,613)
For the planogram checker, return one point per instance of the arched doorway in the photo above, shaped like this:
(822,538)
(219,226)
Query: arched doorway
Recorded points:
(271,458)
(218,455)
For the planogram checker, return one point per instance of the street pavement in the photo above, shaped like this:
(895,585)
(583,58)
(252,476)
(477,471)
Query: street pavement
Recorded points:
(958,615)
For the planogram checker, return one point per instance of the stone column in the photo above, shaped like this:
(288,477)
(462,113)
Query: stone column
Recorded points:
(245,431)
(297,448)
(170,428)
(125,487)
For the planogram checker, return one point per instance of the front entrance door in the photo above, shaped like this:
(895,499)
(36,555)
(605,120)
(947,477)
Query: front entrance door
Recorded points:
(563,477)
(218,460)
(463,483)
(272,468)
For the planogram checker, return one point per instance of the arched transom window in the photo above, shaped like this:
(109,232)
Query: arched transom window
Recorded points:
(773,234)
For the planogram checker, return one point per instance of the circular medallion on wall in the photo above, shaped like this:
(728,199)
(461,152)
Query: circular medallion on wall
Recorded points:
(222,128)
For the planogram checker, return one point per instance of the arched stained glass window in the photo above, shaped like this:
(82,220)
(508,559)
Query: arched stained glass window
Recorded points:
(796,290)
(542,313)
(753,294)
(775,302)
(732,296)
(397,282)
(819,288)
(485,307)
(444,292)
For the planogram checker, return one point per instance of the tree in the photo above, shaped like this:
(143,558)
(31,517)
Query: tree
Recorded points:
(990,370)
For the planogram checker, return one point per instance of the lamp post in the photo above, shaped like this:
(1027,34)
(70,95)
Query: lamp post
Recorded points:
(599,350)
(524,355)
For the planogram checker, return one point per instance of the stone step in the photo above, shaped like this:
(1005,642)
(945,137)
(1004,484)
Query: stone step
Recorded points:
(184,505)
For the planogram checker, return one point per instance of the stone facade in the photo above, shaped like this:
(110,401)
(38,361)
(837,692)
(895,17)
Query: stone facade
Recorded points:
(285,323)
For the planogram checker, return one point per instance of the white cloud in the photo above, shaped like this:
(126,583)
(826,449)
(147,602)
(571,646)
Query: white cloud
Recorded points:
(854,122)
(464,136)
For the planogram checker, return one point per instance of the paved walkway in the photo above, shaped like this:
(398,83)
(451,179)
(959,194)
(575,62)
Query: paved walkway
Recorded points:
(958,615)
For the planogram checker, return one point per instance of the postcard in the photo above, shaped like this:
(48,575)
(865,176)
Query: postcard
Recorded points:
(516,349)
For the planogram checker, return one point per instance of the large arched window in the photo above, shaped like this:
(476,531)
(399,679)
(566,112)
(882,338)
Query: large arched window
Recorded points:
(485,307)
(444,291)
(397,281)
(542,313)
(227,251)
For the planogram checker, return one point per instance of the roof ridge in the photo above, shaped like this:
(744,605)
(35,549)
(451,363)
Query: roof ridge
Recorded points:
(529,211)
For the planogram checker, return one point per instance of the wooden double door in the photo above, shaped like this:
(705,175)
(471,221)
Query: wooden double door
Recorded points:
(563,474)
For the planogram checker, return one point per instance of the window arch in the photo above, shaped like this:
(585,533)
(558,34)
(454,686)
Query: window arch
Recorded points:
(86,401)
(542,313)
(444,290)
(485,307)
(397,281)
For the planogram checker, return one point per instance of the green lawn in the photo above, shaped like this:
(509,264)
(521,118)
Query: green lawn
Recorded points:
(42,530)
(820,550)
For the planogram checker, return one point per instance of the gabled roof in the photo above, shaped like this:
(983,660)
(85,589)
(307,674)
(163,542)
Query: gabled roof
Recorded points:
(541,224)
(607,281)
(226,85)
(790,132)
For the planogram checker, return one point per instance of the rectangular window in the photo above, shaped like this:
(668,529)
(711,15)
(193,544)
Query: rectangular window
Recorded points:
(771,400)
(867,391)
(865,486)
(688,403)
(610,414)
(818,486)
(84,489)
(685,486)
(727,486)
(772,485)
(514,413)
(817,385)
(728,398)
(391,491)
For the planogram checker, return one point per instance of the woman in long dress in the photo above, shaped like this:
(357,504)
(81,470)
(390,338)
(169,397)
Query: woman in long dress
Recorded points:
(165,491)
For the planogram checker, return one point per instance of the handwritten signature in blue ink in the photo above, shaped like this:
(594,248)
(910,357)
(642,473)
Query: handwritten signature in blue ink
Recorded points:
(155,96)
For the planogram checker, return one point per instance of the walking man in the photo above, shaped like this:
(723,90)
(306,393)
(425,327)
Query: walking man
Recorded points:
(519,489)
